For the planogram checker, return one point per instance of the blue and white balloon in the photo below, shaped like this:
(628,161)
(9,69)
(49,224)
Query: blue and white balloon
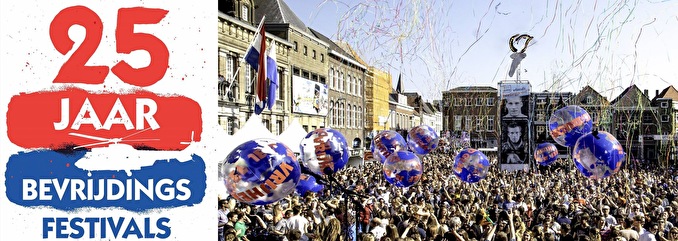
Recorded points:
(308,184)
(403,169)
(387,142)
(598,155)
(546,153)
(471,165)
(422,139)
(568,124)
(324,151)
(261,171)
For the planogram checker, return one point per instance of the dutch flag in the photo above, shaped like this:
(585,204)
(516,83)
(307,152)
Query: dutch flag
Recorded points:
(264,61)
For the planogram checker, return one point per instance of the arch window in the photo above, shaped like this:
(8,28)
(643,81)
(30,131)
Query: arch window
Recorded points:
(348,116)
(355,116)
(341,114)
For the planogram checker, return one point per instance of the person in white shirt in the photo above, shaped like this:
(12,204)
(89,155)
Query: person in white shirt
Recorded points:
(378,228)
(281,228)
(609,219)
(649,235)
(298,222)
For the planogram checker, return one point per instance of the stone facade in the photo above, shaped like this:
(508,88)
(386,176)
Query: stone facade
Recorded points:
(237,78)
(473,109)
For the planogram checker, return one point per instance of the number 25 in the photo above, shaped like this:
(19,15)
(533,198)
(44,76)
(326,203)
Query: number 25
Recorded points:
(74,69)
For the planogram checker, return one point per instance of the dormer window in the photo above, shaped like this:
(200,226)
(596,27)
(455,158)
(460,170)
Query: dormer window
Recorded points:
(244,12)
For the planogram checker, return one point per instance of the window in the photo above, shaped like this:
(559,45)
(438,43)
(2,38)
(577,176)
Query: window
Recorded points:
(665,105)
(306,128)
(280,92)
(341,114)
(541,130)
(336,80)
(341,81)
(355,117)
(249,76)
(479,123)
(229,124)
(322,58)
(348,83)
(305,50)
(313,54)
(469,102)
(490,123)
(467,123)
(589,99)
(279,124)
(665,118)
(457,122)
(361,124)
(360,87)
(647,118)
(540,115)
(245,13)
(351,115)
(227,65)
(267,123)
(335,114)
(479,101)
(330,114)
(296,46)
(490,101)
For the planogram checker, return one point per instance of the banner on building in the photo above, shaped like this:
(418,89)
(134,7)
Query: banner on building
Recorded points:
(515,136)
(309,97)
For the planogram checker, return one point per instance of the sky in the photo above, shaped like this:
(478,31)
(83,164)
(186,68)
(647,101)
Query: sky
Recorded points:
(439,44)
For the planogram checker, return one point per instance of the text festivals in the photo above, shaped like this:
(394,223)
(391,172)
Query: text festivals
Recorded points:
(100,151)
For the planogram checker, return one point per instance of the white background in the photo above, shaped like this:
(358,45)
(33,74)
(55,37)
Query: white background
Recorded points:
(29,62)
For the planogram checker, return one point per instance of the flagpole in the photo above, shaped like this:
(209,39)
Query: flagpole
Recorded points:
(233,77)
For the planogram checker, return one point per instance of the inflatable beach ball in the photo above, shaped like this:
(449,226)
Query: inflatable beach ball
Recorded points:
(569,123)
(261,171)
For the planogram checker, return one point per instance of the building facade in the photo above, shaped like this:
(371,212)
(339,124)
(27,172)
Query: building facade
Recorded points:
(346,77)
(308,63)
(378,86)
(472,110)
(634,123)
(402,115)
(236,30)
(666,139)
(597,106)
(544,104)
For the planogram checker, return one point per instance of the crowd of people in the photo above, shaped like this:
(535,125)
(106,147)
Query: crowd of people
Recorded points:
(554,204)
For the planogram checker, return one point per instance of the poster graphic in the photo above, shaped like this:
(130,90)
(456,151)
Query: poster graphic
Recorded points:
(514,98)
(514,142)
(309,97)
(515,127)
(104,110)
